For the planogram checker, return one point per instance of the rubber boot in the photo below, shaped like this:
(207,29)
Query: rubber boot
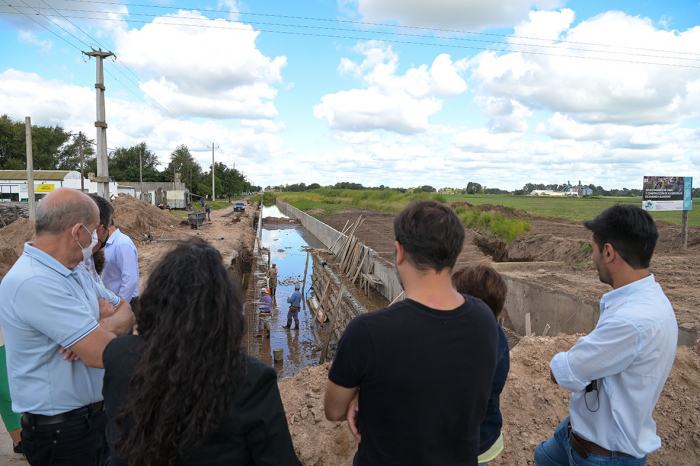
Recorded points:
(289,325)
(296,326)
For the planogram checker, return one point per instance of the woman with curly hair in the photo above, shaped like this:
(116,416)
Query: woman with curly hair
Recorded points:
(182,392)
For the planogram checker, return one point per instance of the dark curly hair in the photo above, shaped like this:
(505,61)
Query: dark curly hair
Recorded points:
(192,325)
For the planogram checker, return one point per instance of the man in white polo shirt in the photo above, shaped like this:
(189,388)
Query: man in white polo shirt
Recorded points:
(56,321)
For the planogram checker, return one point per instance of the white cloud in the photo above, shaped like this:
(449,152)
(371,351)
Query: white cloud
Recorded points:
(458,14)
(250,144)
(593,91)
(28,37)
(400,103)
(207,71)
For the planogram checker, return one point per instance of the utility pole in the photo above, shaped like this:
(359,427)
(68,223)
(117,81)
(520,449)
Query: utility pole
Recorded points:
(102,177)
(213,188)
(141,172)
(30,168)
(82,162)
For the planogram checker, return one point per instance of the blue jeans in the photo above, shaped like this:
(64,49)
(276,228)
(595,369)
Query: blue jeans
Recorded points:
(557,451)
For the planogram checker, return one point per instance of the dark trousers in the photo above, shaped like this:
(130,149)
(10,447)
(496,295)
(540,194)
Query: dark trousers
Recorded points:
(78,442)
(293,314)
(273,286)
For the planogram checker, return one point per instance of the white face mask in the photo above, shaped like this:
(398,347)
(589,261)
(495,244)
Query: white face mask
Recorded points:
(87,252)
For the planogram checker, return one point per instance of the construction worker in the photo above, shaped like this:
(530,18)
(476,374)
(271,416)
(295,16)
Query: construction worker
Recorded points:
(272,275)
(294,306)
(208,211)
(264,314)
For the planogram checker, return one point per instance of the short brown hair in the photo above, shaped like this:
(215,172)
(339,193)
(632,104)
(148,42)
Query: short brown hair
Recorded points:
(431,234)
(483,282)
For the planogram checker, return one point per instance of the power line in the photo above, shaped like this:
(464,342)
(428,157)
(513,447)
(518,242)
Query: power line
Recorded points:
(37,22)
(57,25)
(365,23)
(401,34)
(529,52)
(304,26)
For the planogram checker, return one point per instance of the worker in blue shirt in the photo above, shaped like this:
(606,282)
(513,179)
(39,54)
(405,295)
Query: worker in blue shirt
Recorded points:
(294,305)
(207,209)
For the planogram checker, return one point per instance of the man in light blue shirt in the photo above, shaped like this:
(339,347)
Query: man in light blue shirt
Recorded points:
(617,372)
(56,321)
(294,306)
(121,273)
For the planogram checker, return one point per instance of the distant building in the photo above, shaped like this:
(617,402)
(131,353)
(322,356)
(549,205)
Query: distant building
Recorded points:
(586,192)
(13,184)
(548,192)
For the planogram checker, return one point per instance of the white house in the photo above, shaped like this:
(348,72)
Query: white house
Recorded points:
(13,184)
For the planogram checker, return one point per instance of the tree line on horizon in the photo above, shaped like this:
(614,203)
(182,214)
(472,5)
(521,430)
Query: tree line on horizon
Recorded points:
(54,148)
(471,188)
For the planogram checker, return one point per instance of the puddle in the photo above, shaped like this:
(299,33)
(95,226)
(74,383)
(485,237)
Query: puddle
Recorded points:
(288,249)
(273,211)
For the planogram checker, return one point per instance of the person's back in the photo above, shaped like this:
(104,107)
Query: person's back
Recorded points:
(426,379)
(212,406)
(255,412)
(483,282)
(424,365)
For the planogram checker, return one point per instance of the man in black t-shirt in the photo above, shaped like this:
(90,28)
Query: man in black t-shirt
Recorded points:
(415,377)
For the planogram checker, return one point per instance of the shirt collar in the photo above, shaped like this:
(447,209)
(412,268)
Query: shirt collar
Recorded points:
(111,238)
(46,259)
(625,292)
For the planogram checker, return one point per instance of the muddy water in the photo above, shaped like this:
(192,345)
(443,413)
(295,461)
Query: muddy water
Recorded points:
(288,246)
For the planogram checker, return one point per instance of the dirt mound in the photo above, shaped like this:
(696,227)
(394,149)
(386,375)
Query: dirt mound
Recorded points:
(317,441)
(541,247)
(137,219)
(670,237)
(454,205)
(533,406)
(12,239)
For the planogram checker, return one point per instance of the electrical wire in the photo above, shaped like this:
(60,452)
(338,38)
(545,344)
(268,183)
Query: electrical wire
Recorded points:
(527,52)
(303,26)
(37,22)
(366,23)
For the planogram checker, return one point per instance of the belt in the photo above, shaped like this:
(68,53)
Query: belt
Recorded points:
(583,447)
(294,307)
(41,420)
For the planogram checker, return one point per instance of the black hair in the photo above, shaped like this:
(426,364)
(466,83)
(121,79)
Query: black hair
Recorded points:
(191,324)
(431,234)
(630,230)
(106,210)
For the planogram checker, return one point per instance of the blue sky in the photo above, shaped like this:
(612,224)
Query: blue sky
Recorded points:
(520,94)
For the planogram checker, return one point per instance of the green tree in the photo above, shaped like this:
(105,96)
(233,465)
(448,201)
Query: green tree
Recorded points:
(124,164)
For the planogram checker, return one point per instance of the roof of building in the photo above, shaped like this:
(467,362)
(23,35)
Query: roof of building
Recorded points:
(54,175)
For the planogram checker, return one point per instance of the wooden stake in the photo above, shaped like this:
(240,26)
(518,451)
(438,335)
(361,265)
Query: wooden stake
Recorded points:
(331,327)
(546,329)
(528,325)
(339,236)
(303,284)
(359,265)
(397,298)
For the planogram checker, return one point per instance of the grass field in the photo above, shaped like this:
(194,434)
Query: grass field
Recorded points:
(572,208)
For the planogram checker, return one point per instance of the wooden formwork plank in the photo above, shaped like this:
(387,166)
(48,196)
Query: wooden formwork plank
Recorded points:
(323,300)
(339,236)
(331,327)
(359,265)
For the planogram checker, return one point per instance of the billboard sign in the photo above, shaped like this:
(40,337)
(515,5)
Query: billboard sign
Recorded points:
(667,193)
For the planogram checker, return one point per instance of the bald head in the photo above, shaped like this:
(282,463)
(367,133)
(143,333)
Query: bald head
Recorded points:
(62,209)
